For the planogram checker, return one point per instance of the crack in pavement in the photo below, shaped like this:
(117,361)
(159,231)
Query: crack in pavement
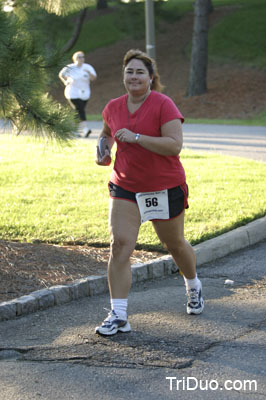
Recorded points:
(128,351)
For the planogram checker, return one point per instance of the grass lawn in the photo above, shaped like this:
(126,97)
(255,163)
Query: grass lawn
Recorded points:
(258,120)
(241,35)
(58,194)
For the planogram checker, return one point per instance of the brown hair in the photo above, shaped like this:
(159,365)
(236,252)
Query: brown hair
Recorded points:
(149,63)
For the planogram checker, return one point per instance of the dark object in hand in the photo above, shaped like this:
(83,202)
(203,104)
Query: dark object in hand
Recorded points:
(104,151)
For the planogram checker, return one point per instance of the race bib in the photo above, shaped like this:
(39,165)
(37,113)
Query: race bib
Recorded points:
(153,205)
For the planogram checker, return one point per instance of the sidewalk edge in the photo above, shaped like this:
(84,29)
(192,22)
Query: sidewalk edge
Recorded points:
(206,252)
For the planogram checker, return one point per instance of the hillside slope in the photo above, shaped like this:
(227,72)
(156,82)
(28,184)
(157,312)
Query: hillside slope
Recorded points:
(234,91)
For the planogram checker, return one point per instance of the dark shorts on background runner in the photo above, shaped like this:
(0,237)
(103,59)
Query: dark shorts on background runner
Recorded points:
(177,197)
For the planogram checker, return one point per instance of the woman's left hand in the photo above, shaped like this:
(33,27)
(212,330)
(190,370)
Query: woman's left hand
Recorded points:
(125,135)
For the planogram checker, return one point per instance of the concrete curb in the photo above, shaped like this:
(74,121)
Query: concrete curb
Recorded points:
(208,251)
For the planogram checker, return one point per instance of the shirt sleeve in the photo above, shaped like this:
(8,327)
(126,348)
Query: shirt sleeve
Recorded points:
(91,69)
(64,71)
(169,111)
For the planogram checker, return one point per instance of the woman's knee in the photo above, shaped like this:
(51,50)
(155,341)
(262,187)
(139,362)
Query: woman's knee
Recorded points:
(120,247)
(175,245)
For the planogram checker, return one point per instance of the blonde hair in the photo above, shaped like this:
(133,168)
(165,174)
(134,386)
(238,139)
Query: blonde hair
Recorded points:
(149,63)
(75,55)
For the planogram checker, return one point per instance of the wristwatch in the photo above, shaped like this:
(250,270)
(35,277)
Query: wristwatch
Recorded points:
(137,137)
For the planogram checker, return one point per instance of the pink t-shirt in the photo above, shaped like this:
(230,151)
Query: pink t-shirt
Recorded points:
(137,169)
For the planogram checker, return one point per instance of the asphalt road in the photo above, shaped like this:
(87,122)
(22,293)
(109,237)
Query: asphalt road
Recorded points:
(55,354)
(242,141)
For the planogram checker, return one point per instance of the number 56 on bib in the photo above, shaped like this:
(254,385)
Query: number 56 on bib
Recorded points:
(153,205)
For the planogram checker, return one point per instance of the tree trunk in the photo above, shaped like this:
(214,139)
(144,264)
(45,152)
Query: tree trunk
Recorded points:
(72,41)
(101,4)
(210,6)
(199,56)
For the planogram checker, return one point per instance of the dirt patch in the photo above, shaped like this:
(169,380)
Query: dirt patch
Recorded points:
(25,267)
(234,91)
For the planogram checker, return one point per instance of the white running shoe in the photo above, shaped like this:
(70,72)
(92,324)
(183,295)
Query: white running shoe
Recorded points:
(113,324)
(195,302)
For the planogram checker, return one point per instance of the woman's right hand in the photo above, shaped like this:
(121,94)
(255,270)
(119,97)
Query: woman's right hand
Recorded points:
(104,160)
(68,80)
(104,146)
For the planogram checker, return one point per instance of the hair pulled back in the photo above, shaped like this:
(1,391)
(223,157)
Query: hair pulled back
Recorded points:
(149,63)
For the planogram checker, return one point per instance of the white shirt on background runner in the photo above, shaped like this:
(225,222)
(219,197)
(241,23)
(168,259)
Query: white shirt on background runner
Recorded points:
(78,85)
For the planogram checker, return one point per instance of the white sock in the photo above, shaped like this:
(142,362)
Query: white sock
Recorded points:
(120,307)
(192,283)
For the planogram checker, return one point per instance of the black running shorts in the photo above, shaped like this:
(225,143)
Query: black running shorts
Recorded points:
(177,197)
